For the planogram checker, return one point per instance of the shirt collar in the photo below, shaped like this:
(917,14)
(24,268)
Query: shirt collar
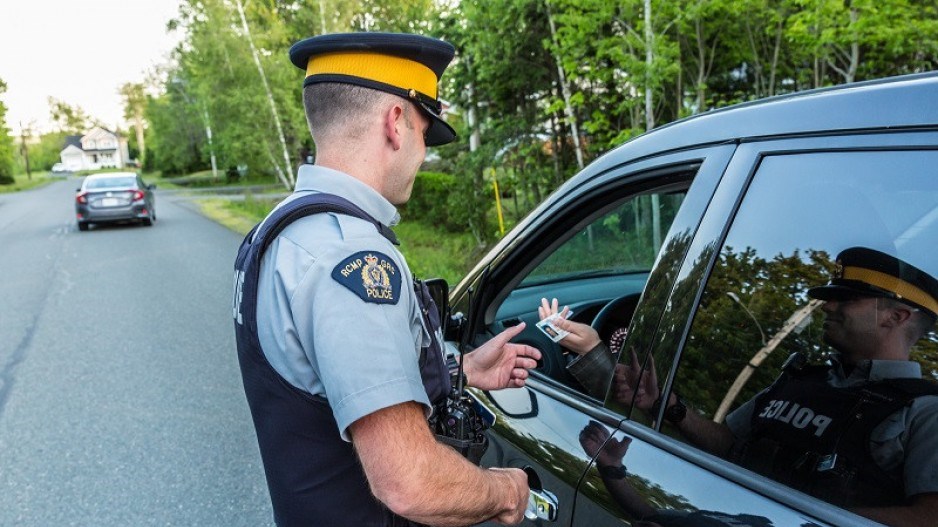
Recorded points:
(315,178)
(876,370)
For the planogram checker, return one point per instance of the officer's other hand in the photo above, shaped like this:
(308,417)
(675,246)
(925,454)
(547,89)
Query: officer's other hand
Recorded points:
(517,494)
(500,364)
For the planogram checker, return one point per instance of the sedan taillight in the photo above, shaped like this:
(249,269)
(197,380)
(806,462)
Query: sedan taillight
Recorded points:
(80,198)
(138,195)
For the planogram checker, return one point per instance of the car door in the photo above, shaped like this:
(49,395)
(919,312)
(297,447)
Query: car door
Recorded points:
(573,249)
(737,309)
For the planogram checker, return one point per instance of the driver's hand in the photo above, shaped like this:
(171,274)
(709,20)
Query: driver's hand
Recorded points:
(582,338)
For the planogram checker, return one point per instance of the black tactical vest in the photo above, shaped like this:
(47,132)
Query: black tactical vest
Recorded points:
(314,477)
(816,438)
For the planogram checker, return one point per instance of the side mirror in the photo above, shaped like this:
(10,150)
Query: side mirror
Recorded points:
(439,292)
(151,186)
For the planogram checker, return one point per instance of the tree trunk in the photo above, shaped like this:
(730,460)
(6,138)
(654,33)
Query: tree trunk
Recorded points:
(701,67)
(779,27)
(285,173)
(649,60)
(565,90)
(854,48)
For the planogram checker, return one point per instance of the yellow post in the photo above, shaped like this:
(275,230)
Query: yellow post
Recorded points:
(498,204)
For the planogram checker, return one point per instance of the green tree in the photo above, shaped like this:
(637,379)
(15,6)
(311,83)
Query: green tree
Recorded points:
(135,101)
(68,118)
(216,76)
(174,137)
(47,151)
(848,40)
(7,143)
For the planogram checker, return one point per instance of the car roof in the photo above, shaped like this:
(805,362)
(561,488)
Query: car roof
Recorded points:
(907,101)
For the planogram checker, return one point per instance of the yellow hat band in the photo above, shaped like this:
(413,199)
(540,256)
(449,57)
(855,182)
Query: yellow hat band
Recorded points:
(893,284)
(388,69)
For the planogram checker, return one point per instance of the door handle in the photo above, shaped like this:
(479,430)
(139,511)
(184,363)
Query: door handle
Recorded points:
(542,505)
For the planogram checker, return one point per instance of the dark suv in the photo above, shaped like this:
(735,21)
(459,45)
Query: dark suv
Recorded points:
(701,238)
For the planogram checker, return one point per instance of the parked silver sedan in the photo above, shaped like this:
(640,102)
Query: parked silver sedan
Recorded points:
(114,197)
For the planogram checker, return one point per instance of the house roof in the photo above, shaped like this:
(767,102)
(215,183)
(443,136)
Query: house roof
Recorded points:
(72,140)
(98,131)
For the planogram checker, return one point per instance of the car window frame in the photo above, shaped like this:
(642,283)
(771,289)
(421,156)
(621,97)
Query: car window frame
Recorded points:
(502,273)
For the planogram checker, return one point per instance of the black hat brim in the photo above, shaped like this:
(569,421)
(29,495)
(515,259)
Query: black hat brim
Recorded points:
(439,132)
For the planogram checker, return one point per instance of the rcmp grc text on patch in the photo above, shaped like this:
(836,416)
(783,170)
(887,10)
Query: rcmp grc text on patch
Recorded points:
(371,275)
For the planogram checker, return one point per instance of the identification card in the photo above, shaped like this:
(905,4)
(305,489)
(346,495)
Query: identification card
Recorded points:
(550,329)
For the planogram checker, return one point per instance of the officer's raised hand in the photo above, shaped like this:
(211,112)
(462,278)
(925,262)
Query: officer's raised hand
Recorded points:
(500,364)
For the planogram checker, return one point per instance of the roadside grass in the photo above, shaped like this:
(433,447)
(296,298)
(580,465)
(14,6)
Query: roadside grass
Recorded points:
(22,182)
(239,216)
(430,251)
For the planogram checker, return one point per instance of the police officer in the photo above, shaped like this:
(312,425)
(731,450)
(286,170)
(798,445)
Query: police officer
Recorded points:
(339,346)
(861,432)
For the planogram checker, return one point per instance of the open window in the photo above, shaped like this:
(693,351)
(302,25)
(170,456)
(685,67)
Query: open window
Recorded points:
(594,255)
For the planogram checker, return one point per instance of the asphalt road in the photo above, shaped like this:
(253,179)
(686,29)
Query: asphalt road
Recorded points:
(120,397)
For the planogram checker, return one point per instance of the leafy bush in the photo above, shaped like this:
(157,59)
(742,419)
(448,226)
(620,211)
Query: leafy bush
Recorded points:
(430,201)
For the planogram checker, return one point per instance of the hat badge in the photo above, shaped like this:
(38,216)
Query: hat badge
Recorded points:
(838,269)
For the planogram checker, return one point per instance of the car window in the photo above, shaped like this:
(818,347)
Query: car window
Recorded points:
(624,240)
(800,213)
(604,262)
(111,182)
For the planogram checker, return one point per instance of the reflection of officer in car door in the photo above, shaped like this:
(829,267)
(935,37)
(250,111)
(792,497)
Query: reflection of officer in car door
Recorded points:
(339,348)
(861,432)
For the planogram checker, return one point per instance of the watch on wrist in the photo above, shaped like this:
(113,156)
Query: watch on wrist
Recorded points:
(612,472)
(675,413)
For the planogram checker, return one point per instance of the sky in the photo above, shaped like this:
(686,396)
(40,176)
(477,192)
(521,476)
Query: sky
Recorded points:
(80,52)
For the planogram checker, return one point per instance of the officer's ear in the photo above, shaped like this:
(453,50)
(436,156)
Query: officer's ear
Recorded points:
(394,123)
(898,314)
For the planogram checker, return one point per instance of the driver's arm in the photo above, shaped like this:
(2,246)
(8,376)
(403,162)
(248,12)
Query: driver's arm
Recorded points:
(594,370)
(595,363)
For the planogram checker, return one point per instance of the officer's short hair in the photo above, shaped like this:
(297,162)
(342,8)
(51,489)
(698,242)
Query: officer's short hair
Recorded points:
(920,322)
(331,106)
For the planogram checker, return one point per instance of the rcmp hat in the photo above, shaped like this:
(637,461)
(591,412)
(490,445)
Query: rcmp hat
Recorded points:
(409,66)
(867,272)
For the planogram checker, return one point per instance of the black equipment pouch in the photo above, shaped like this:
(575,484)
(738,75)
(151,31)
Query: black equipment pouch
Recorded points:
(458,424)
(455,420)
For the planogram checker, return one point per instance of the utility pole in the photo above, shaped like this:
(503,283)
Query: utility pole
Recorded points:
(25,149)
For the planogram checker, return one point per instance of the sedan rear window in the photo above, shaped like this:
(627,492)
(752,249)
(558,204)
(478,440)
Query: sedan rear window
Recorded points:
(111,182)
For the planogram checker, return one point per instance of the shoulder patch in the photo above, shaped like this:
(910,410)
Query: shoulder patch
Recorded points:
(371,275)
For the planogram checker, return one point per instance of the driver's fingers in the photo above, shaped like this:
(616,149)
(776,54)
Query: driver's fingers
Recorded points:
(546,308)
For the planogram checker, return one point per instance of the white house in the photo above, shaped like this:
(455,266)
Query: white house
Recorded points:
(99,148)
